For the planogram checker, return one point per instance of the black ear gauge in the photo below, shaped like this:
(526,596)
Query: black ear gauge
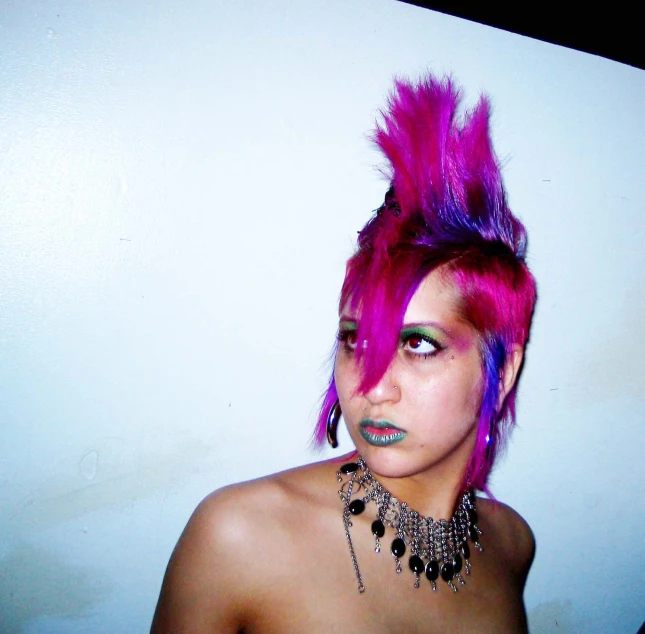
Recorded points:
(332,424)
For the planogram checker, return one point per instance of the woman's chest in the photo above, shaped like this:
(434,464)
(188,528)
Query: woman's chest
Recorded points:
(321,595)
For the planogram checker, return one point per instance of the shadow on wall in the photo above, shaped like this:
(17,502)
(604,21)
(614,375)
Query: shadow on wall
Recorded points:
(553,617)
(33,584)
(557,617)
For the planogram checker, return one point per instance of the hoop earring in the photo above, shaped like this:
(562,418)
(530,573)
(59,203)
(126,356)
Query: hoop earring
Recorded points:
(332,424)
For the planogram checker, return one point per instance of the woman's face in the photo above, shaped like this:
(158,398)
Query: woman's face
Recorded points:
(422,415)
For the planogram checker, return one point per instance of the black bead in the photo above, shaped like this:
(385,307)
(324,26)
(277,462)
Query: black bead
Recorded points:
(356,507)
(416,564)
(457,563)
(378,528)
(432,570)
(349,467)
(447,572)
(465,550)
(474,535)
(398,547)
(472,516)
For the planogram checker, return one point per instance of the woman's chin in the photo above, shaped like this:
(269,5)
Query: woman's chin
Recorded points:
(390,461)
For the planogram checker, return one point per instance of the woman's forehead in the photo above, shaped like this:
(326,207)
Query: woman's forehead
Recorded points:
(437,300)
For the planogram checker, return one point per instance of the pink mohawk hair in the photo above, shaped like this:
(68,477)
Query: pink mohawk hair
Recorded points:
(447,172)
(446,207)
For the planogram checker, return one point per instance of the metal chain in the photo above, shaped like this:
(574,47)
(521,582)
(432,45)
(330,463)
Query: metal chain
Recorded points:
(438,541)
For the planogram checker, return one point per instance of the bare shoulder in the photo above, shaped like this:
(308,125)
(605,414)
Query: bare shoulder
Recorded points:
(512,533)
(242,517)
(203,589)
(234,542)
(231,514)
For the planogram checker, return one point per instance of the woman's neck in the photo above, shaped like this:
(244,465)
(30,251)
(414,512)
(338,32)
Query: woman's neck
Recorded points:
(433,494)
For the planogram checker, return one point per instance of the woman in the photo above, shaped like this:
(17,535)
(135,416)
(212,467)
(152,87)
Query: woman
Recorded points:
(435,313)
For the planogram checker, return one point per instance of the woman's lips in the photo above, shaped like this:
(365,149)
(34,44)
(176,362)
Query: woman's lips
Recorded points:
(381,433)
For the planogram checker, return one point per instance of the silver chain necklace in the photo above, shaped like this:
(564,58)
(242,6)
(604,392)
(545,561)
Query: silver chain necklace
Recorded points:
(437,548)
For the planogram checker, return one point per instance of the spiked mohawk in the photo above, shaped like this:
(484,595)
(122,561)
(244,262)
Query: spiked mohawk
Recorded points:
(446,207)
(448,173)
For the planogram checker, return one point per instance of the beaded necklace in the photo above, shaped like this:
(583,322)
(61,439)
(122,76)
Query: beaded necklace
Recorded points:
(437,548)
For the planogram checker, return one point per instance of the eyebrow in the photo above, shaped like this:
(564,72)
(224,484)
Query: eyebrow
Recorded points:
(416,324)
(426,324)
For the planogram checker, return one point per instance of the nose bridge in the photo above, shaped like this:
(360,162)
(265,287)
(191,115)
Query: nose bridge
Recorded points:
(386,389)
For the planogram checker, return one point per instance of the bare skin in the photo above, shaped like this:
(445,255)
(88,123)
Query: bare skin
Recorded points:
(271,555)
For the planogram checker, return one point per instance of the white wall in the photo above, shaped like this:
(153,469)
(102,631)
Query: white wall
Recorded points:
(180,184)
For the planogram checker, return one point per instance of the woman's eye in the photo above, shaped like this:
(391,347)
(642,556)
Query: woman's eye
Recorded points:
(420,346)
(348,338)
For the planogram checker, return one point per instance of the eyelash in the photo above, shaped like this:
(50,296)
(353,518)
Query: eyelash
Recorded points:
(424,355)
(344,336)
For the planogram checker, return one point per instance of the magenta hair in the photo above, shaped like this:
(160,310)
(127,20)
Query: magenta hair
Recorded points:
(447,208)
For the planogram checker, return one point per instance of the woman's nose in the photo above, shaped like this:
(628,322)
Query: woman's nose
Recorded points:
(387,389)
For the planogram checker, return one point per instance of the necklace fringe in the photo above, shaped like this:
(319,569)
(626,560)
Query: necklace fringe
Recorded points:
(437,548)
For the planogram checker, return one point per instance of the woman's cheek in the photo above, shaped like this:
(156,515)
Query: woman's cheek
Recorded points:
(344,377)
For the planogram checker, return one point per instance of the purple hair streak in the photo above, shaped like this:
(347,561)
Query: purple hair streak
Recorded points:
(447,208)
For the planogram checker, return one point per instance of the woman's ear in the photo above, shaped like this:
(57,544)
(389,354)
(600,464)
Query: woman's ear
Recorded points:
(510,372)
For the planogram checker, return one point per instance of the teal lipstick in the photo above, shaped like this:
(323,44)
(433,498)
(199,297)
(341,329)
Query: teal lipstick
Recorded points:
(381,433)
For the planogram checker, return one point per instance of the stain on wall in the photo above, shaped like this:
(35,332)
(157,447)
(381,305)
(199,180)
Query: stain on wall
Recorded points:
(108,480)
